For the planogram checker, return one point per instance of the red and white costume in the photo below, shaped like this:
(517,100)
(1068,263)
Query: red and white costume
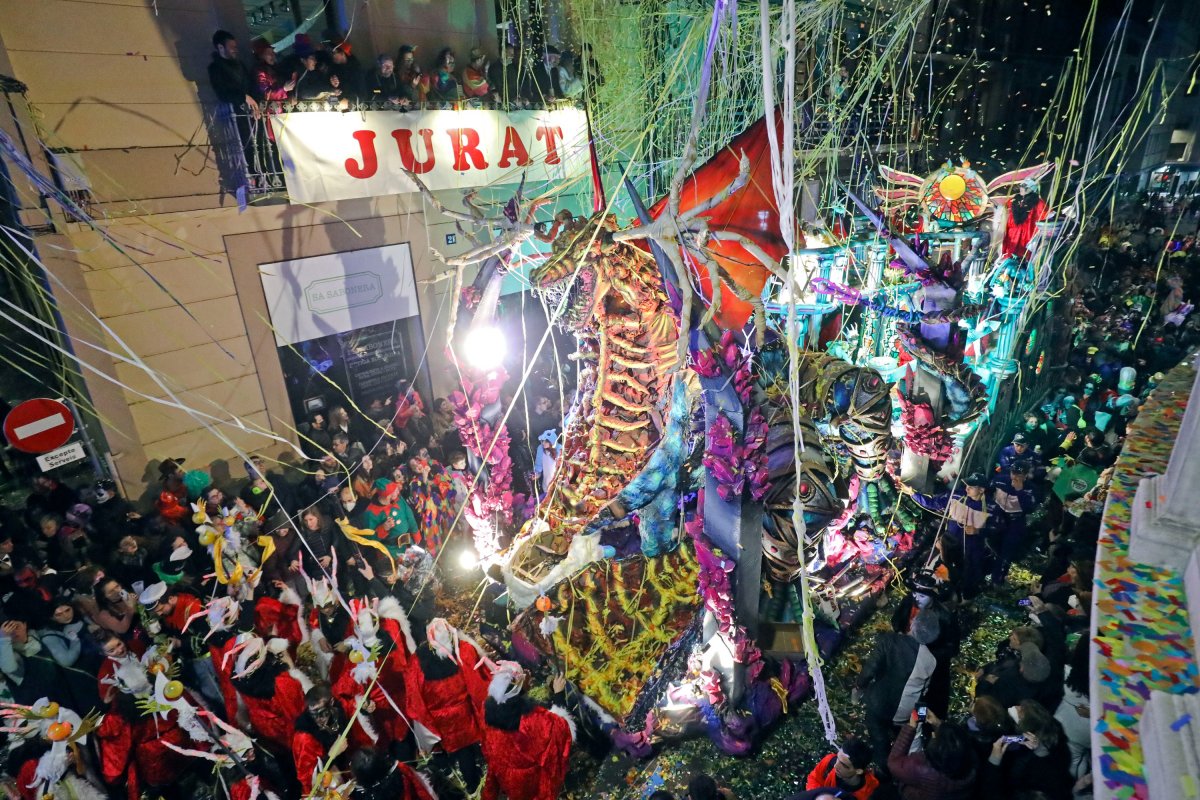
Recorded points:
(1021,224)
(382,660)
(528,762)
(451,706)
(134,749)
(272,694)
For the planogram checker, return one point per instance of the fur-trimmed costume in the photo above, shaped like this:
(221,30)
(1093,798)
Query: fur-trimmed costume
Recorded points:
(274,700)
(526,749)
(219,645)
(1024,213)
(310,749)
(278,618)
(451,692)
(133,748)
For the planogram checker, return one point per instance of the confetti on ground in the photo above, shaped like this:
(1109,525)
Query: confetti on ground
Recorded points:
(776,769)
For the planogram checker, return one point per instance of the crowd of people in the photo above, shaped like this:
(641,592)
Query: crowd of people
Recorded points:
(328,75)
(1026,734)
(292,636)
(330,71)
(289,635)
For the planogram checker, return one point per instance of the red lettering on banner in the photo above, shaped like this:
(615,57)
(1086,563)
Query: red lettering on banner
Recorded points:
(370,161)
(551,135)
(404,142)
(466,144)
(513,148)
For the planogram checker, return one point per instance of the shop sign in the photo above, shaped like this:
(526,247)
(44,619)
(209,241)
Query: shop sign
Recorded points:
(312,297)
(330,295)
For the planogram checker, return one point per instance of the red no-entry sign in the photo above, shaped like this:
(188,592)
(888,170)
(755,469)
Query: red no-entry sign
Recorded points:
(39,425)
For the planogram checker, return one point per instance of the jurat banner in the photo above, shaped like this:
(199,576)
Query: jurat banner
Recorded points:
(330,155)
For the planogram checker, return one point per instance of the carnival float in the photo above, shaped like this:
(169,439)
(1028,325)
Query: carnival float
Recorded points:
(754,391)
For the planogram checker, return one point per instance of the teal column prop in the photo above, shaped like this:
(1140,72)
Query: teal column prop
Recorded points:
(1002,363)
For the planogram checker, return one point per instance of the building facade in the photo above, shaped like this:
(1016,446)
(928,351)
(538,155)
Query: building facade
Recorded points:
(161,293)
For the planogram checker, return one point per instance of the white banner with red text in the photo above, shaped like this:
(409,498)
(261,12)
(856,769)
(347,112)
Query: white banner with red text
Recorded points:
(330,155)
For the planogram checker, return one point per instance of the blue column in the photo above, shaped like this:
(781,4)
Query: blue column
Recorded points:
(1001,362)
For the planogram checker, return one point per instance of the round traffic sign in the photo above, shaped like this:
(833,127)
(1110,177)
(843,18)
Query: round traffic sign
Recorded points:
(39,425)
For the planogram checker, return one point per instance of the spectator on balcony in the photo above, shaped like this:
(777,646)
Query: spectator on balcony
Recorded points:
(383,83)
(269,78)
(546,86)
(474,76)
(569,79)
(315,82)
(413,82)
(443,86)
(230,79)
(234,85)
(590,69)
(504,79)
(348,71)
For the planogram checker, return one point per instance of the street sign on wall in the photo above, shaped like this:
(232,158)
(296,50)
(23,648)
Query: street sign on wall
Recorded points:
(62,456)
(39,425)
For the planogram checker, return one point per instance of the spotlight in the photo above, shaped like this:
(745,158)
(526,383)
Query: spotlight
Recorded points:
(467,559)
(484,347)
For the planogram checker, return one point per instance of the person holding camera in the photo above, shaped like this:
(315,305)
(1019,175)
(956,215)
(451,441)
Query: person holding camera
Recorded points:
(943,770)
(1036,758)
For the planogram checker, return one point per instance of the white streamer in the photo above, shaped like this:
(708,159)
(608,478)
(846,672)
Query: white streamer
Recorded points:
(783,181)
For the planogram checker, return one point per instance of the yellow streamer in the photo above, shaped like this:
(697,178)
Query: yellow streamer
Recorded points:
(366,539)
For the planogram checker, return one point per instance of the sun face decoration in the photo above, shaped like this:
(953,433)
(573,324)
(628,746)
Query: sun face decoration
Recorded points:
(952,195)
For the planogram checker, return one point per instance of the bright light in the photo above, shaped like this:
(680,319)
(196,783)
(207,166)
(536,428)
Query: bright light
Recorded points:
(467,559)
(484,347)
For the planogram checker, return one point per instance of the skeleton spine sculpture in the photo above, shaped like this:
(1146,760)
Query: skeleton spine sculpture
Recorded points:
(627,340)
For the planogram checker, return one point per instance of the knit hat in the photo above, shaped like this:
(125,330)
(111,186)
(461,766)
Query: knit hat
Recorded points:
(1035,667)
(925,628)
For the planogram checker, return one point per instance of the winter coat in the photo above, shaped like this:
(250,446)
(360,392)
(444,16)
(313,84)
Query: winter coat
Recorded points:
(896,676)
(231,80)
(1022,770)
(824,777)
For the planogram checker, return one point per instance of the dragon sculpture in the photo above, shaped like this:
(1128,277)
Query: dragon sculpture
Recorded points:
(660,311)
(617,302)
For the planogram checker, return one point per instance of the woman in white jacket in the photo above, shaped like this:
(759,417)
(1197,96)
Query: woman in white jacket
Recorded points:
(1075,709)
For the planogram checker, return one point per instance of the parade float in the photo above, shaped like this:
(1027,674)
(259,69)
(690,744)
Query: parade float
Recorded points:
(753,390)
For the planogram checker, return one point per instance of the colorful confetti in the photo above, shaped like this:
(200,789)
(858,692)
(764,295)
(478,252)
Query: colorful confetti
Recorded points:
(1142,640)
